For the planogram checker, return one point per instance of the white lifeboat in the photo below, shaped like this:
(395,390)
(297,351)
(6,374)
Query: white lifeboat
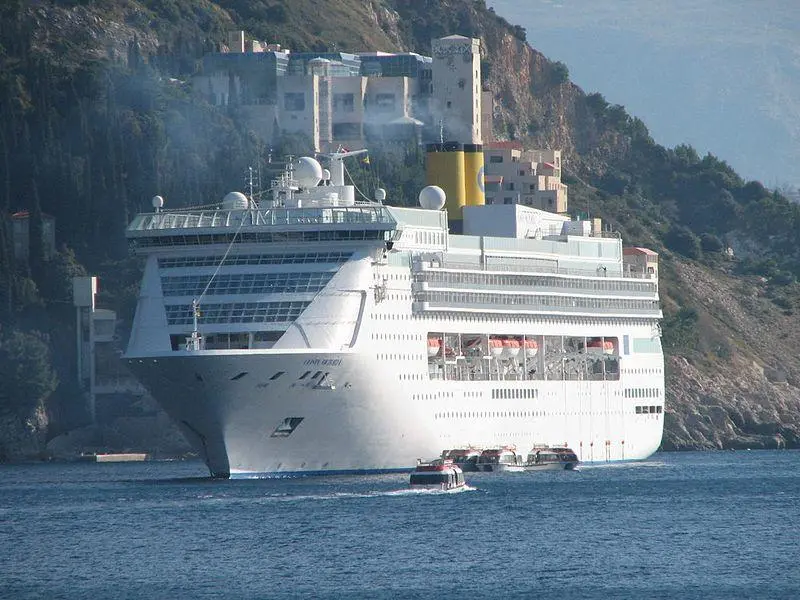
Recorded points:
(496,347)
(434,346)
(510,347)
(531,347)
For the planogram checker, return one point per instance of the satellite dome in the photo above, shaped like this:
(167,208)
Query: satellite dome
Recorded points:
(235,201)
(380,194)
(307,172)
(432,197)
(158,202)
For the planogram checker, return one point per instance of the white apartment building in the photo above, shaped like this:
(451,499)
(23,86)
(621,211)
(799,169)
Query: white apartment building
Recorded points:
(340,99)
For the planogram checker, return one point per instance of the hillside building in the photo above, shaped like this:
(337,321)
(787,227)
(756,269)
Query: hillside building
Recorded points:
(641,261)
(456,68)
(103,378)
(514,175)
(344,99)
(332,98)
(20,226)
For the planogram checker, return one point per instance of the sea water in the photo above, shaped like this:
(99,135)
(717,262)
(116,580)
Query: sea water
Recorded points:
(679,525)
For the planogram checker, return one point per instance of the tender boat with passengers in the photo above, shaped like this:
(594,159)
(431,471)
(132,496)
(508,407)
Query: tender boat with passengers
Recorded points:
(500,460)
(546,458)
(438,474)
(466,458)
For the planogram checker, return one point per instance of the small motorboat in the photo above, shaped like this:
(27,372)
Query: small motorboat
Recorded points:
(466,458)
(547,458)
(438,474)
(503,459)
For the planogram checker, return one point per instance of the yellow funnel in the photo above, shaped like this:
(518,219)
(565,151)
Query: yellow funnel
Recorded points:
(445,167)
(473,175)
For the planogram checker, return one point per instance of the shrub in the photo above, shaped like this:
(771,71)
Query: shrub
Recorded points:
(711,243)
(680,239)
(559,73)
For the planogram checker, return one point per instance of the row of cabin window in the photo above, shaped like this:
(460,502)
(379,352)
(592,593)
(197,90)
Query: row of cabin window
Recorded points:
(514,394)
(245,283)
(642,393)
(536,301)
(236,312)
(254,259)
(264,237)
(513,414)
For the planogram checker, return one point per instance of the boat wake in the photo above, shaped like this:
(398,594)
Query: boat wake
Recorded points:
(339,495)
(373,494)
(428,492)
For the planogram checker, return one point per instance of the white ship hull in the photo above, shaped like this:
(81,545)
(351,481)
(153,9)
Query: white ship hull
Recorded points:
(366,421)
(317,336)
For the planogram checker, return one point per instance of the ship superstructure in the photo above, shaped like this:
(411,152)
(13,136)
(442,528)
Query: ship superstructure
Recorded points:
(314,333)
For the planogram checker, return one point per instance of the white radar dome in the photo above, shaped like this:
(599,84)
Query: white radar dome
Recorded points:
(307,172)
(158,202)
(235,201)
(432,197)
(380,194)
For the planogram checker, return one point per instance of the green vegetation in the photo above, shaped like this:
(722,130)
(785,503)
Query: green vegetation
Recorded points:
(559,73)
(26,372)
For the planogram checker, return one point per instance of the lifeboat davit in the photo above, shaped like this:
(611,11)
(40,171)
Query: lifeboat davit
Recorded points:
(434,346)
(496,346)
(510,347)
(599,345)
(531,347)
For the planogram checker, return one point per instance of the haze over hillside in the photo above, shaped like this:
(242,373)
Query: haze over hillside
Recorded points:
(722,76)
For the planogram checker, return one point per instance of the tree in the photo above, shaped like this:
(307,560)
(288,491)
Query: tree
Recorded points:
(559,73)
(57,286)
(711,243)
(26,372)
(681,240)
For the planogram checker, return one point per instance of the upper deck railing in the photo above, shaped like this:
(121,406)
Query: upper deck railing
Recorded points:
(494,264)
(193,219)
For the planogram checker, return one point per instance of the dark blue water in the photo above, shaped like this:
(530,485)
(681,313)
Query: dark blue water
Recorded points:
(694,525)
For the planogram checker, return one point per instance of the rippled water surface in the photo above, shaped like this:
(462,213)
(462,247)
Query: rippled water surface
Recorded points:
(693,525)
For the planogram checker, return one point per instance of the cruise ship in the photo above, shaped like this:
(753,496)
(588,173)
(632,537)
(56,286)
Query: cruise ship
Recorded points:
(310,332)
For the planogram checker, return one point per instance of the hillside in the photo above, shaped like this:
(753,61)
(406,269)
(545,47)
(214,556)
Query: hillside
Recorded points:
(95,116)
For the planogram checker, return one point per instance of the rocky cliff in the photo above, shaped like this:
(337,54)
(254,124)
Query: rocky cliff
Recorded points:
(739,387)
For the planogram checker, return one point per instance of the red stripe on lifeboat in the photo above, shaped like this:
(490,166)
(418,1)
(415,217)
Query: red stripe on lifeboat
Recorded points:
(531,347)
(606,346)
(496,346)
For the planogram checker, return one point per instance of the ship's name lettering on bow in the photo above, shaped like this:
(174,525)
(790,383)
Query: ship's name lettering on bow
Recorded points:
(323,362)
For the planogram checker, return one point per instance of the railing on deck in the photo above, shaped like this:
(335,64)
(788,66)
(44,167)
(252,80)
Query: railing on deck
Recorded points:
(516,267)
(268,217)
